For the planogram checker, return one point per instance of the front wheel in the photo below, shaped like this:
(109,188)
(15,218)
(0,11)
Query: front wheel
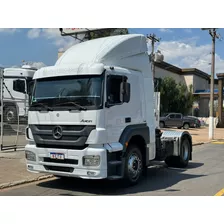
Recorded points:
(10,114)
(133,165)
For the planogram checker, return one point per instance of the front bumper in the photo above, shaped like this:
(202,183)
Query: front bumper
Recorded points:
(72,166)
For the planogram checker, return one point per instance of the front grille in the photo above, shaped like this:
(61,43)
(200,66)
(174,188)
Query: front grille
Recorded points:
(64,161)
(73,136)
(62,146)
(60,169)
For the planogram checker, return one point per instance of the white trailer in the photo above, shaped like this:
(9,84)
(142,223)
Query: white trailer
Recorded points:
(16,87)
(92,114)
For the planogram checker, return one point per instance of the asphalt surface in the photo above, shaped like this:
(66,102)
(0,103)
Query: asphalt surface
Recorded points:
(203,177)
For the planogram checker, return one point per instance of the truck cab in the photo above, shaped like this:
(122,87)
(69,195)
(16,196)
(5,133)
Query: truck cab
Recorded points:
(92,114)
(17,88)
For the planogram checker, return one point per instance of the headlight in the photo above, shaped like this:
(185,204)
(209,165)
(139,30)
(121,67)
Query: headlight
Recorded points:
(91,160)
(30,156)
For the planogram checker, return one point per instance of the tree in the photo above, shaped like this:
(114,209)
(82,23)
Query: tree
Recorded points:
(175,97)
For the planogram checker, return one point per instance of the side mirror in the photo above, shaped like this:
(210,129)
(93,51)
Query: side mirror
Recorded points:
(30,87)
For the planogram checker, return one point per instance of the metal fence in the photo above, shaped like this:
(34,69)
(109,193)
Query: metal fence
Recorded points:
(12,124)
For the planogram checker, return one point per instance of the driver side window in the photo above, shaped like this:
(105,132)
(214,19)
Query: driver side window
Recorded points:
(115,90)
(118,90)
(19,85)
(172,116)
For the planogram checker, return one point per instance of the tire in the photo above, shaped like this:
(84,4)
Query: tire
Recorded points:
(179,127)
(161,124)
(133,165)
(10,114)
(186,126)
(182,160)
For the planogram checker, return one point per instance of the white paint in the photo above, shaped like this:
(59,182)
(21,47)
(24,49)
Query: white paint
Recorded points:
(20,100)
(19,72)
(157,108)
(63,117)
(114,147)
(128,56)
(79,169)
(70,70)
(211,128)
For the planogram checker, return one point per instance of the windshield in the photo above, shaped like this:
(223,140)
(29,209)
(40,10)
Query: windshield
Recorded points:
(68,92)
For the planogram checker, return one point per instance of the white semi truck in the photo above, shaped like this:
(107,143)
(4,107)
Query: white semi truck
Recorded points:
(92,114)
(16,87)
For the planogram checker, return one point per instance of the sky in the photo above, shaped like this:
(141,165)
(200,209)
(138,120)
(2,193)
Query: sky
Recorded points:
(186,48)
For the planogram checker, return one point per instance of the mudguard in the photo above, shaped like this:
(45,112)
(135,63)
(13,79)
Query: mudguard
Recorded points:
(176,137)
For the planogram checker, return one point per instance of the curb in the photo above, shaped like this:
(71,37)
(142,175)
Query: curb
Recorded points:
(20,182)
(200,143)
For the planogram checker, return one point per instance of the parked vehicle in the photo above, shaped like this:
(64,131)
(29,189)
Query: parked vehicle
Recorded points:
(199,122)
(92,114)
(17,86)
(179,121)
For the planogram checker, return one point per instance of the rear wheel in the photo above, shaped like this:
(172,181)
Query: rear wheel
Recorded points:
(133,165)
(182,160)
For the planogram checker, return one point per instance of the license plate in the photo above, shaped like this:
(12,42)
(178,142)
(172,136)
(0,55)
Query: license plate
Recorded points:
(60,156)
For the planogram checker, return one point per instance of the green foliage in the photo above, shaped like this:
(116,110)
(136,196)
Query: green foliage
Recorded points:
(175,97)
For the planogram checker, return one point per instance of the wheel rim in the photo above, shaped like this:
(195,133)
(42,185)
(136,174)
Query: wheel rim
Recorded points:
(185,148)
(134,166)
(10,116)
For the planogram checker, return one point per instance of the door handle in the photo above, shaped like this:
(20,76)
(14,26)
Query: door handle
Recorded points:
(127,120)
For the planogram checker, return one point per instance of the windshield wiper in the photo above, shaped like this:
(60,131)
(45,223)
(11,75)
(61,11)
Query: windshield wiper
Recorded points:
(72,103)
(42,105)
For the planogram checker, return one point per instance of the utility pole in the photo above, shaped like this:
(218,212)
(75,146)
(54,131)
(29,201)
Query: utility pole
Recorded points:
(212,32)
(153,39)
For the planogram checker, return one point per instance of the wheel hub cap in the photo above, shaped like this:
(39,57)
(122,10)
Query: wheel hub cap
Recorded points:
(134,166)
(10,115)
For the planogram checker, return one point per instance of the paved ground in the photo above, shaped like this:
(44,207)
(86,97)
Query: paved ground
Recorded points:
(205,177)
(13,167)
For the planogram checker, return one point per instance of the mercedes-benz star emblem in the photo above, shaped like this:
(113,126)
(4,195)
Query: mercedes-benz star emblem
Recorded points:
(57,132)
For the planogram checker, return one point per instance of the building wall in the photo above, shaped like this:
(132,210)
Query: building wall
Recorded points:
(162,73)
(200,83)
(189,80)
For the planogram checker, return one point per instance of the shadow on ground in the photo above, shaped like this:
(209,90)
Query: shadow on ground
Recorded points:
(157,178)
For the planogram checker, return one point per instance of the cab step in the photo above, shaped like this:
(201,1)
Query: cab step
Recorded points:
(116,162)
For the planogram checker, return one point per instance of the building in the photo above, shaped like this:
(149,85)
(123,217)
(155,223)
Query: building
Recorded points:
(199,80)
